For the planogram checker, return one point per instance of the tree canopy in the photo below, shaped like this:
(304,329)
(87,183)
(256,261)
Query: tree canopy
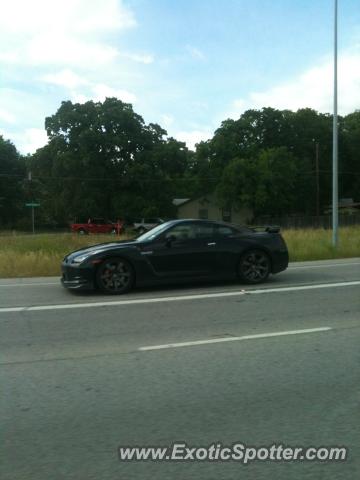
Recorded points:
(261,182)
(12,171)
(102,159)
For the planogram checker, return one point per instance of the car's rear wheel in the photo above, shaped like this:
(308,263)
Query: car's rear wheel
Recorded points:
(254,267)
(82,231)
(115,276)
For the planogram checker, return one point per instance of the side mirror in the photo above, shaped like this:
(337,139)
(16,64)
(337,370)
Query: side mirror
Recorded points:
(169,240)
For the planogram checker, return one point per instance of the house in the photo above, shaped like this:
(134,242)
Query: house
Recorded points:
(206,207)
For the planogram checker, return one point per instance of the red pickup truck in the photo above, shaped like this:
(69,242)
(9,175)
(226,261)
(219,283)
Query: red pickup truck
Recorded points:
(97,225)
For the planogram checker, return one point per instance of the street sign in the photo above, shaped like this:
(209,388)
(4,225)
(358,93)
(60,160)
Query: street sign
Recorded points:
(32,205)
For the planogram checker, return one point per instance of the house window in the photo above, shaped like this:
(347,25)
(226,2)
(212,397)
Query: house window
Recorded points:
(226,215)
(203,213)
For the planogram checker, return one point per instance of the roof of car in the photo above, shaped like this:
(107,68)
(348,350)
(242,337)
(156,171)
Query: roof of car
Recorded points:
(198,220)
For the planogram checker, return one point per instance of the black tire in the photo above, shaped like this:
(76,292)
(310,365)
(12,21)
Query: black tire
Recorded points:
(254,267)
(113,231)
(82,232)
(115,276)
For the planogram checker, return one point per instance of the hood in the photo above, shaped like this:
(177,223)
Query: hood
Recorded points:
(100,247)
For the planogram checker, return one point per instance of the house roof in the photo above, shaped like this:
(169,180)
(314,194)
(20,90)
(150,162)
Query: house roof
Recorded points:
(180,201)
(346,203)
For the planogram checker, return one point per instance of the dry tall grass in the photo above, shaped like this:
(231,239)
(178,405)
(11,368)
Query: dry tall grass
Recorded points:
(41,255)
(315,244)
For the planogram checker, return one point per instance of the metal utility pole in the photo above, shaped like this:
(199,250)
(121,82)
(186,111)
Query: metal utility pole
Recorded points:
(335,195)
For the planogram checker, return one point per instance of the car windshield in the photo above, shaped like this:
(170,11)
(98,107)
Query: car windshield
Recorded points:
(154,232)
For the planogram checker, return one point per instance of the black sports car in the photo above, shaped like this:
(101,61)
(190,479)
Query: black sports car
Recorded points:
(178,251)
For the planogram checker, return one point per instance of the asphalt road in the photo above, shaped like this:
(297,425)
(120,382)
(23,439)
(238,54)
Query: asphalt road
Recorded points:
(83,374)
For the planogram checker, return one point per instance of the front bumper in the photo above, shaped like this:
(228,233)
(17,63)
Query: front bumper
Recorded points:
(76,277)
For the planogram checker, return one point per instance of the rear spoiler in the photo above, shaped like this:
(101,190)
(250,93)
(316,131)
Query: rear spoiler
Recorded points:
(266,228)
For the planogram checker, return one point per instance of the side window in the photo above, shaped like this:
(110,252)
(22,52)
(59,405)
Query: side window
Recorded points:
(225,231)
(182,232)
(192,231)
(204,230)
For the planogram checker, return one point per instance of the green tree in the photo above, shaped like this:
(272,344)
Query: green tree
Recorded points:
(350,155)
(102,159)
(12,172)
(258,130)
(266,183)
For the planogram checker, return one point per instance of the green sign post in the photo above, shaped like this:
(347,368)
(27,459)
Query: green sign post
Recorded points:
(32,205)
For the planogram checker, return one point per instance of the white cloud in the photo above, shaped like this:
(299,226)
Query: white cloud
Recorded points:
(28,140)
(60,50)
(6,116)
(79,97)
(191,138)
(65,78)
(70,32)
(313,88)
(195,53)
(102,91)
(69,44)
(99,92)
(167,120)
(89,16)
(34,138)
(22,107)
(139,58)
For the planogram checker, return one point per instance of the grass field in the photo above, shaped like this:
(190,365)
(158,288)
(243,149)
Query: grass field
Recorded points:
(41,255)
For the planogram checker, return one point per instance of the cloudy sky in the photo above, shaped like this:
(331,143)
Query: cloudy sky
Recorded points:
(185,64)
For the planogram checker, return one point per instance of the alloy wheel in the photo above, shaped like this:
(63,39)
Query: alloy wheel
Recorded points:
(254,266)
(115,276)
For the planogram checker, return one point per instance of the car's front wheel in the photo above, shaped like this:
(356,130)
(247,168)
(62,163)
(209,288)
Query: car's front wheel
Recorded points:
(254,267)
(115,276)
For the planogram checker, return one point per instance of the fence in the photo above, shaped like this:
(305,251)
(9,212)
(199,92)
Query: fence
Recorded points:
(294,221)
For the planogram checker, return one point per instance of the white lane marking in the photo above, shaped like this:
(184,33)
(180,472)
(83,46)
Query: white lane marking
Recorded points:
(122,302)
(234,339)
(304,287)
(327,265)
(180,298)
(29,284)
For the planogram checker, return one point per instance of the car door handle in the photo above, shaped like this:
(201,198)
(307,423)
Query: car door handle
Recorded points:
(211,244)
